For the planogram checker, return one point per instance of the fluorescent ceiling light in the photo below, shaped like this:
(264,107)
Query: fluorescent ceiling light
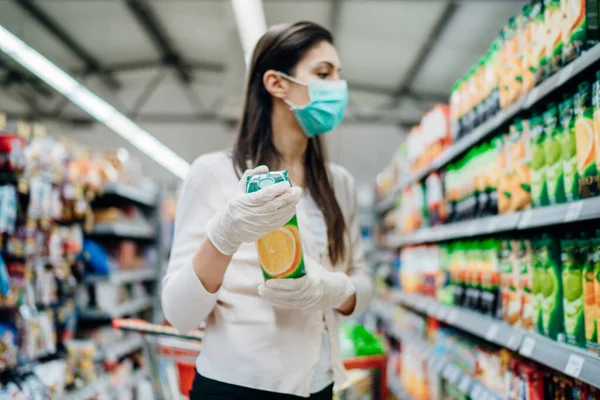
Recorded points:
(92,104)
(251,23)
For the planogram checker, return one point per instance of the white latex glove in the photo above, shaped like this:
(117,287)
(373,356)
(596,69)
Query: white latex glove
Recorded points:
(249,216)
(319,289)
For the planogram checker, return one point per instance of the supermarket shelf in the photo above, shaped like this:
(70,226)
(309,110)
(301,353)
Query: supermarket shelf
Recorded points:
(577,211)
(567,359)
(123,310)
(124,230)
(122,348)
(100,385)
(89,391)
(566,74)
(129,193)
(122,277)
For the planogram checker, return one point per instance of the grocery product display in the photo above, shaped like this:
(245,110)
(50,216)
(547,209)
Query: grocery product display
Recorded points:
(77,248)
(494,239)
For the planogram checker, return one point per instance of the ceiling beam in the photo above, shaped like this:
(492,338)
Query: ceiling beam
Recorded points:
(138,65)
(419,61)
(16,76)
(334,19)
(149,21)
(91,63)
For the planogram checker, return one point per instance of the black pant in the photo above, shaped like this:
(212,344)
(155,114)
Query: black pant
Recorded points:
(208,389)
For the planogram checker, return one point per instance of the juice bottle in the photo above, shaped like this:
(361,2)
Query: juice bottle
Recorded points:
(526,46)
(279,251)
(455,111)
(490,278)
(501,200)
(586,249)
(526,283)
(596,110)
(580,27)
(569,150)
(492,78)
(572,282)
(586,149)
(554,44)
(489,166)
(553,153)
(551,288)
(539,33)
(596,262)
(512,86)
(539,187)
(520,162)
(511,307)
(537,275)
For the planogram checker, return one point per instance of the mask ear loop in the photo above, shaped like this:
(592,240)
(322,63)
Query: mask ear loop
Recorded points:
(291,105)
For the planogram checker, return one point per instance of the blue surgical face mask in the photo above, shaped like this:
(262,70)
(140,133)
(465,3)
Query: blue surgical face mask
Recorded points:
(326,106)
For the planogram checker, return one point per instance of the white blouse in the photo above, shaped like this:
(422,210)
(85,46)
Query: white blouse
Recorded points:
(249,342)
(316,223)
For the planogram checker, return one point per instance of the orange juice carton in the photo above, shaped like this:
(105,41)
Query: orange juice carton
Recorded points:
(586,149)
(520,162)
(279,251)
(526,49)
(596,111)
(580,27)
(554,43)
(539,34)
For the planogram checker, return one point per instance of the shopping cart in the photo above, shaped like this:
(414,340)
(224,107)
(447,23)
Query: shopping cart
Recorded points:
(171,362)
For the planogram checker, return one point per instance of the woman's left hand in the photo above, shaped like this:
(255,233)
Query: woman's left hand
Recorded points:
(319,289)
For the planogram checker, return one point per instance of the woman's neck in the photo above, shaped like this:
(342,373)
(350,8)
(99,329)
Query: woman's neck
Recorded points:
(290,143)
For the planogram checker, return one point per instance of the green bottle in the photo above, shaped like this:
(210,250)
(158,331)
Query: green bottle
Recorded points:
(539,186)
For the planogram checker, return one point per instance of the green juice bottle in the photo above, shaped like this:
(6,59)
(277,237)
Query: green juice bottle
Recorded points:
(539,186)
(279,251)
(553,152)
(569,149)
(572,282)
(536,289)
(586,249)
(551,305)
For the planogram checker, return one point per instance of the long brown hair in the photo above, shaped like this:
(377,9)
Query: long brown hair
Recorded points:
(280,49)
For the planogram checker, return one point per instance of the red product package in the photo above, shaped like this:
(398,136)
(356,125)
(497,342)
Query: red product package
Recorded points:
(533,382)
(12,154)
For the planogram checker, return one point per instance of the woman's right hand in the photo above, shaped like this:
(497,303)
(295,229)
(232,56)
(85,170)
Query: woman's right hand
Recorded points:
(249,216)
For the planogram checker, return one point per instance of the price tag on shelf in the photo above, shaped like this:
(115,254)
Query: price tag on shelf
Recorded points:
(574,365)
(492,225)
(464,384)
(452,317)
(565,75)
(432,309)
(525,219)
(473,228)
(513,342)
(527,347)
(442,313)
(492,332)
(573,211)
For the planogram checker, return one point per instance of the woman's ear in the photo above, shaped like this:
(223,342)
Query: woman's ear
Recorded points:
(275,84)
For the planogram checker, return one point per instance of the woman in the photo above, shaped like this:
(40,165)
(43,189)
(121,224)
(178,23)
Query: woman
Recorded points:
(276,339)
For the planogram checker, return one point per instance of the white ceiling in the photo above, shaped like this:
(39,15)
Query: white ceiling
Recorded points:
(378,42)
